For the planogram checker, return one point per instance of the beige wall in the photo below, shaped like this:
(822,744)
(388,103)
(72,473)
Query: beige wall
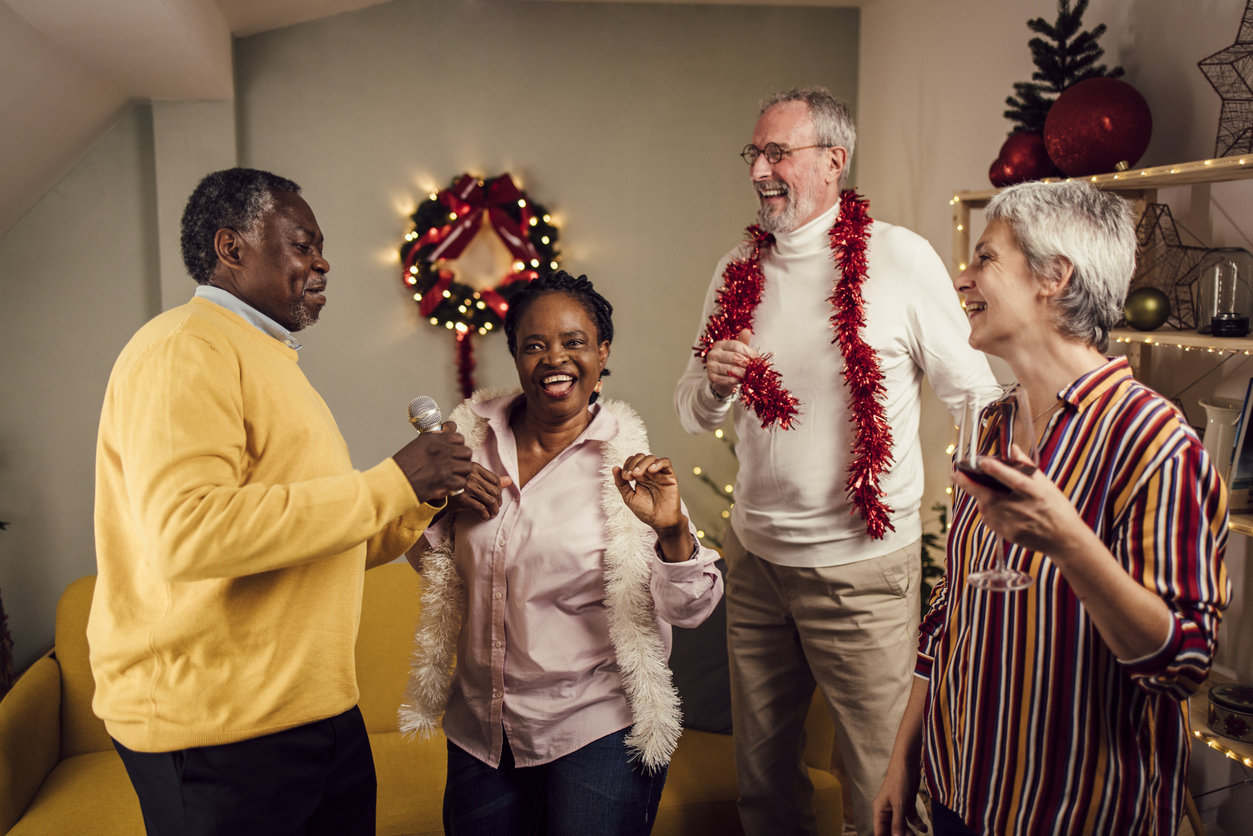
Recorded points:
(624,119)
(78,276)
(934,77)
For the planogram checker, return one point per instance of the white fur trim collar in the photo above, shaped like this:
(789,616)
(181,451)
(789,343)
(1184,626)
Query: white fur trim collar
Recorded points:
(629,550)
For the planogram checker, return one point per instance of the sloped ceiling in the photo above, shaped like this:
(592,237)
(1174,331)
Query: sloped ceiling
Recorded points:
(70,68)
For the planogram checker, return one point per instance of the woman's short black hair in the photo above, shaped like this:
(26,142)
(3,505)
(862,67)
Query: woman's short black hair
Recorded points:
(559,281)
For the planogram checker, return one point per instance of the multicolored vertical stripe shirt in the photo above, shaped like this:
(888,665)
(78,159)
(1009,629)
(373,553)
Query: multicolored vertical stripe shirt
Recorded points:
(1032,725)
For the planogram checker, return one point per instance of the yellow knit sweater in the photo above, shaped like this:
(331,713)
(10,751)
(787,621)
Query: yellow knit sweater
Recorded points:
(232,534)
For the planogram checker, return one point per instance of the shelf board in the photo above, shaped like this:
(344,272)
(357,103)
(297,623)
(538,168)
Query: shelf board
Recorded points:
(1157,177)
(1183,339)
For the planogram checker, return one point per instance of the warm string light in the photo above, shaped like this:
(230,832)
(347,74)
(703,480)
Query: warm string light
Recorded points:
(724,492)
(1214,744)
(1208,349)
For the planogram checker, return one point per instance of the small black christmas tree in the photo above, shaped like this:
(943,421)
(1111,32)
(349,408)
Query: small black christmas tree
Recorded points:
(1068,60)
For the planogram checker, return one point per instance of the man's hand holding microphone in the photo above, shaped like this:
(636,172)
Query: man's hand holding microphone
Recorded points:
(437,462)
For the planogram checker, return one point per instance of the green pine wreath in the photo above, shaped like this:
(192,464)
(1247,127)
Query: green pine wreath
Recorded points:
(458,306)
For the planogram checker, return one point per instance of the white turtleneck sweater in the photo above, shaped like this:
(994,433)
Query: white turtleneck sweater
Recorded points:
(790,497)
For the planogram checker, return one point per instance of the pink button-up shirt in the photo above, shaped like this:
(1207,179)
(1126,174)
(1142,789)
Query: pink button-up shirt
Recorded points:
(534,655)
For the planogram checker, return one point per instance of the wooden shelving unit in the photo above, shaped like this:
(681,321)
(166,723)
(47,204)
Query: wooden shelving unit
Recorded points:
(1140,185)
(1140,346)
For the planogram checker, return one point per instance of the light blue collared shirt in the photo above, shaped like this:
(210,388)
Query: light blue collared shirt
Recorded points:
(228,300)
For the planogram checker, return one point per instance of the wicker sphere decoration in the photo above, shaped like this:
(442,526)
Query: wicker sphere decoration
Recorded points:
(1023,157)
(1146,309)
(1098,126)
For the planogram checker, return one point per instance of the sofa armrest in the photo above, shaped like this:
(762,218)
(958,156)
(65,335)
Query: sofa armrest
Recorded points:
(30,737)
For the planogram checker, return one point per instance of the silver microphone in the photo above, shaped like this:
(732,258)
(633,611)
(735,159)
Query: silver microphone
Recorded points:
(425,416)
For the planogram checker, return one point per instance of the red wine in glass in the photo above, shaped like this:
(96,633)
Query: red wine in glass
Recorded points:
(1000,417)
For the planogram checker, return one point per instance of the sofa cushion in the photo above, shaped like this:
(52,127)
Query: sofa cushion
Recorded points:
(389,613)
(701,790)
(411,784)
(85,794)
(81,730)
(702,675)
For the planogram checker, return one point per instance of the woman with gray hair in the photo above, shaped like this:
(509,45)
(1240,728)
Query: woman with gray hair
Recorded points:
(1059,708)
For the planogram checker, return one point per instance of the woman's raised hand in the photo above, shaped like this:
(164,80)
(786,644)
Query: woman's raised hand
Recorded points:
(655,495)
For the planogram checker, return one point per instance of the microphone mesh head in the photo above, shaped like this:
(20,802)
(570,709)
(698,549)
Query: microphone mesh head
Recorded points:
(424,414)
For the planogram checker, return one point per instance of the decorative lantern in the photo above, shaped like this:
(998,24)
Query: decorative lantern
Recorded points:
(1224,298)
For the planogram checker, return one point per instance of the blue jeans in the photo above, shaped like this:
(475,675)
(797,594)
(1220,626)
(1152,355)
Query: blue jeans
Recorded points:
(594,791)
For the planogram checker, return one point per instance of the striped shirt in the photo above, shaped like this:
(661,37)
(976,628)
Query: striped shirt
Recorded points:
(1032,725)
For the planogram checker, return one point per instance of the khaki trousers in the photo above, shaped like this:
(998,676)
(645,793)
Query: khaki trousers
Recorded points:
(850,629)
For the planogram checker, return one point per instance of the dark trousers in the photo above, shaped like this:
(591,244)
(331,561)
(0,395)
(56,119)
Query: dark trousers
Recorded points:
(594,791)
(311,780)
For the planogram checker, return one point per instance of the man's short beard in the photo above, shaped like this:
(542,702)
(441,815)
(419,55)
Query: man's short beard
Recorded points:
(801,201)
(301,313)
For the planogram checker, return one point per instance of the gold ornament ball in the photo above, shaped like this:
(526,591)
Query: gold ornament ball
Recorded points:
(1146,309)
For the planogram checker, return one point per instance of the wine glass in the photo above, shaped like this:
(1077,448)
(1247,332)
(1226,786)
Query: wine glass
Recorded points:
(994,441)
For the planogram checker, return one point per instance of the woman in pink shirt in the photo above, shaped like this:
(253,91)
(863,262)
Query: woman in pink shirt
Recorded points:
(554,580)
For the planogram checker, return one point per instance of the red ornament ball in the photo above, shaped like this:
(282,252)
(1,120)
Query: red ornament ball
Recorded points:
(1096,125)
(1023,157)
(996,174)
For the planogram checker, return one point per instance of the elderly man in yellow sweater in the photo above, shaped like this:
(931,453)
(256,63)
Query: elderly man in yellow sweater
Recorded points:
(232,534)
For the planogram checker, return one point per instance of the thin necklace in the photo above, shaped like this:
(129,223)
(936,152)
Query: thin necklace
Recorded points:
(1052,406)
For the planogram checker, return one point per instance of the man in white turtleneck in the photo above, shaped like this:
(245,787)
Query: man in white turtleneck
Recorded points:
(811,597)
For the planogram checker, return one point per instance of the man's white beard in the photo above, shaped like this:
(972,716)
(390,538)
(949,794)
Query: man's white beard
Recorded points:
(801,202)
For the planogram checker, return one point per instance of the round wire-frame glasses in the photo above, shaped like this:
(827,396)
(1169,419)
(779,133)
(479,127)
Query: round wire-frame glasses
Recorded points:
(773,152)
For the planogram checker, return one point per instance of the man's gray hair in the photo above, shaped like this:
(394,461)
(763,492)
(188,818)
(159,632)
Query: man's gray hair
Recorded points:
(235,198)
(833,122)
(1073,223)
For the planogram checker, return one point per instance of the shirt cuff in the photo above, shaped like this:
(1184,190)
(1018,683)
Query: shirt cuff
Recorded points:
(705,396)
(922,666)
(1160,658)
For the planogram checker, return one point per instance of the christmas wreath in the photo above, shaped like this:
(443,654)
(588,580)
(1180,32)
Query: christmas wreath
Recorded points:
(443,226)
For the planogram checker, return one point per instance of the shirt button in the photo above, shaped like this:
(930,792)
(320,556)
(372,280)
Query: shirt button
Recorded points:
(497,594)
(501,543)
(496,694)
(498,644)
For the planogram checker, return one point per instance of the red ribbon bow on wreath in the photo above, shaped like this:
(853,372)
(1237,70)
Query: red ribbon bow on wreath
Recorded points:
(466,202)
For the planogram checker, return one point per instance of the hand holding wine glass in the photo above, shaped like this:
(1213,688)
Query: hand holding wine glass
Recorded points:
(988,435)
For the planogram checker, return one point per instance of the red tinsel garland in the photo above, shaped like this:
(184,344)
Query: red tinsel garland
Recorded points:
(872,445)
(465,363)
(761,388)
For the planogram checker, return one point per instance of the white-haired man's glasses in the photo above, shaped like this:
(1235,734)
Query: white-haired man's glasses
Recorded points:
(773,152)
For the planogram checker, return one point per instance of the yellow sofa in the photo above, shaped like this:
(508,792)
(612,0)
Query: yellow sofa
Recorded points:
(59,773)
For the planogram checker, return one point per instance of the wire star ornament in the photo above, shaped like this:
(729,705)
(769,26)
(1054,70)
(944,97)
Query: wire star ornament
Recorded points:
(1168,262)
(1230,73)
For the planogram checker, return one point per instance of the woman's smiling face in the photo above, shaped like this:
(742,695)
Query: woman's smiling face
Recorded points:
(560,355)
(1003,299)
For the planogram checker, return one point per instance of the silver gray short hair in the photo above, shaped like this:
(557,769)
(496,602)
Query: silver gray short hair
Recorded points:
(833,122)
(1074,223)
